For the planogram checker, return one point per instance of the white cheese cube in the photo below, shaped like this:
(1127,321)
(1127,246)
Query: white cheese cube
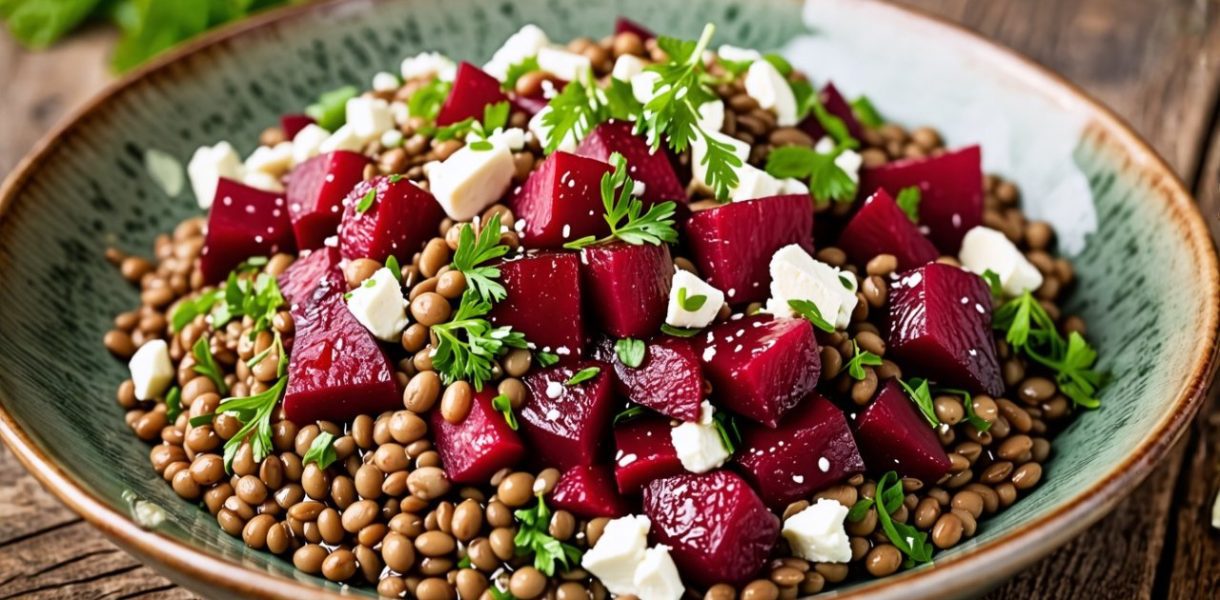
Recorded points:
(377,303)
(753,182)
(737,54)
(985,249)
(568,66)
(543,133)
(849,161)
(385,82)
(518,47)
(793,186)
(711,116)
(699,153)
(369,117)
(691,287)
(263,181)
(427,64)
(627,66)
(272,160)
(471,180)
(797,276)
(698,444)
(765,85)
(151,369)
(344,138)
(643,86)
(207,166)
(614,557)
(308,142)
(656,577)
(817,534)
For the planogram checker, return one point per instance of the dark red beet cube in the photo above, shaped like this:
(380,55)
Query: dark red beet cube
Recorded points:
(589,492)
(837,106)
(649,167)
(543,301)
(627,286)
(473,450)
(316,189)
(732,244)
(625,25)
(951,187)
(561,201)
(812,449)
(880,227)
(644,452)
(337,370)
(669,381)
(399,221)
(717,528)
(311,279)
(761,367)
(472,91)
(243,222)
(895,437)
(293,124)
(940,328)
(566,424)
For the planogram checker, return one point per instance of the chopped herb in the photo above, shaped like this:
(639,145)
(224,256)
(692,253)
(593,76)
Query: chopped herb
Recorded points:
(993,282)
(281,369)
(366,202)
(426,102)
(582,376)
(727,427)
(848,283)
(173,404)
(573,112)
(809,310)
(681,332)
(258,358)
(391,263)
(187,310)
(499,594)
(860,359)
(866,113)
(921,395)
(202,420)
(330,111)
(908,200)
(321,451)
(505,406)
(780,63)
(620,101)
(691,303)
(465,563)
(979,423)
(827,180)
(736,68)
(395,178)
(1032,332)
(468,345)
(629,413)
(516,70)
(495,116)
(832,125)
(258,298)
(205,364)
(481,146)
(911,541)
(546,359)
(623,213)
(859,510)
(630,351)
(255,414)
(533,538)
(473,251)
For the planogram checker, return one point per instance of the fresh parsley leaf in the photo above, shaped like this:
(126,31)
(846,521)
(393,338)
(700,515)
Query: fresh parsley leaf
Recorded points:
(582,376)
(1030,330)
(979,423)
(620,101)
(37,24)
(366,202)
(173,404)
(827,180)
(468,345)
(454,130)
(495,116)
(546,359)
(993,282)
(391,263)
(321,451)
(205,364)
(780,63)
(201,420)
(255,414)
(809,310)
(187,310)
(909,540)
(330,111)
(859,510)
(630,351)
(921,394)
(533,538)
(426,102)
(499,594)
(860,359)
(832,125)
(516,70)
(736,68)
(681,332)
(473,251)
(465,563)
(728,429)
(690,303)
(623,212)
(866,113)
(574,112)
(908,200)
(505,406)
(257,297)
(629,413)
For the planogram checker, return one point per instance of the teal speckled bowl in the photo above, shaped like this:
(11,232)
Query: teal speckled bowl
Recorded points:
(1145,261)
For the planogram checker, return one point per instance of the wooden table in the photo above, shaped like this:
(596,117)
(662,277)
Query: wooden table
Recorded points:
(1157,62)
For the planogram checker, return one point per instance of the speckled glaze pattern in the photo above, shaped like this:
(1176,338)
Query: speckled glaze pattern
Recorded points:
(1148,266)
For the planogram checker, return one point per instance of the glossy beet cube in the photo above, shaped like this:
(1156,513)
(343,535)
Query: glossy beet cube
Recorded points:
(732,244)
(316,189)
(625,25)
(336,370)
(398,222)
(293,124)
(669,380)
(717,528)
(483,443)
(649,167)
(561,201)
(626,286)
(812,449)
(589,492)
(837,106)
(880,227)
(643,451)
(311,279)
(566,424)
(940,328)
(543,301)
(472,91)
(894,436)
(951,187)
(243,222)
(761,366)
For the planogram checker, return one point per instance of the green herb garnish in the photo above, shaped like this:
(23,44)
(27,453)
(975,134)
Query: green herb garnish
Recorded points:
(866,113)
(1031,331)
(623,213)
(516,70)
(546,359)
(366,202)
(505,406)
(468,345)
(630,351)
(911,541)
(827,180)
(690,303)
(809,310)
(427,101)
(860,359)
(473,251)
(321,451)
(202,420)
(582,376)
(187,310)
(533,538)
(573,112)
(255,414)
(682,332)
(258,298)
(729,430)
(908,200)
(993,282)
(391,263)
(173,404)
(629,413)
(979,423)
(205,364)
(921,395)
(330,111)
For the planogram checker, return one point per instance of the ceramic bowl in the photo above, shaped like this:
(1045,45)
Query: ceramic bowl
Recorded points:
(1147,270)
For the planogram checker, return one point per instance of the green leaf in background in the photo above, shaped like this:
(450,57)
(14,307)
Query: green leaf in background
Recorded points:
(152,26)
(40,23)
(330,111)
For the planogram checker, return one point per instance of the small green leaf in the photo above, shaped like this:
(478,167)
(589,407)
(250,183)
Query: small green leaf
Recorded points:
(517,69)
(919,393)
(330,111)
(993,282)
(859,510)
(173,404)
(321,451)
(860,359)
(503,404)
(202,420)
(908,200)
(205,364)
(187,310)
(366,202)
(582,376)
(481,146)
(866,113)
(391,263)
(780,63)
(629,413)
(692,303)
(810,311)
(681,332)
(631,352)
(546,359)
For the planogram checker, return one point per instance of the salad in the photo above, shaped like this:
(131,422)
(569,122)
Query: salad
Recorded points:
(637,316)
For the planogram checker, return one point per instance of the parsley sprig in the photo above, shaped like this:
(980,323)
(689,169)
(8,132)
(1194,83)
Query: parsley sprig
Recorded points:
(473,251)
(255,414)
(258,298)
(533,538)
(1031,331)
(573,112)
(427,101)
(321,450)
(625,213)
(909,540)
(810,311)
(468,345)
(187,310)
(921,394)
(860,359)
(827,180)
(205,364)
(979,423)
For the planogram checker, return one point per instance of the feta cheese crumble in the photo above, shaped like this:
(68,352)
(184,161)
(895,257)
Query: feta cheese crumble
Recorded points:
(677,315)
(770,89)
(518,47)
(817,533)
(737,54)
(698,444)
(378,304)
(568,66)
(207,166)
(151,370)
(427,64)
(471,180)
(273,160)
(623,563)
(368,117)
(627,66)
(308,142)
(849,161)
(797,276)
(985,249)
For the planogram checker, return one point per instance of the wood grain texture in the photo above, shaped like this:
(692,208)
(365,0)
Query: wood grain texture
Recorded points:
(1156,63)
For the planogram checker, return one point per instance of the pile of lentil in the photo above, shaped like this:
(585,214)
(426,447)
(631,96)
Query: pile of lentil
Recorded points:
(384,513)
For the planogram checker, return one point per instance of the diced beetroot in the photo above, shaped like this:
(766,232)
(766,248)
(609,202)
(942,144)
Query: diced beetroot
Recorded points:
(940,326)
(646,166)
(588,492)
(336,370)
(293,124)
(243,222)
(561,201)
(837,106)
(483,443)
(732,244)
(543,301)
(951,186)
(399,221)
(316,189)
(625,25)
(880,227)
(473,90)
(811,450)
(761,367)
(310,280)
(566,424)
(717,528)
(669,381)
(643,452)
(894,436)
(627,286)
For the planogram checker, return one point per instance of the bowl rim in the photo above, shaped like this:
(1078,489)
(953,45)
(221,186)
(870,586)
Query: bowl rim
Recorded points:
(951,576)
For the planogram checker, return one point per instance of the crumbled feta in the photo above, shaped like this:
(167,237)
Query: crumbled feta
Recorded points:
(753,182)
(613,559)
(518,47)
(986,249)
(385,82)
(207,166)
(711,115)
(368,117)
(272,160)
(770,89)
(512,137)
(344,138)
(308,143)
(698,444)
(797,276)
(627,66)
(471,180)
(656,577)
(644,86)
(543,133)
(263,181)
(737,54)
(793,186)
(678,316)
(392,138)
(377,303)
(151,369)
(699,151)
(817,534)
(568,66)
(849,161)
(427,64)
